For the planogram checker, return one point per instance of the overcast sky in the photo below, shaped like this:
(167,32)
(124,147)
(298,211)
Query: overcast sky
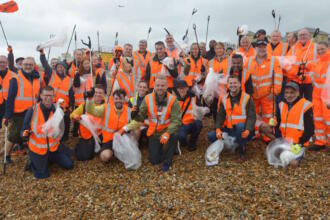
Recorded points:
(37,19)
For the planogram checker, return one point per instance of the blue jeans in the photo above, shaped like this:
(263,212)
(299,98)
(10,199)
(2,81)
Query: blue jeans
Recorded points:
(193,129)
(236,132)
(39,163)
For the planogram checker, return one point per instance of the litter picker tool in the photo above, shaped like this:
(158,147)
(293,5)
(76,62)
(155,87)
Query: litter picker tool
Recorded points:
(149,31)
(4,34)
(207,28)
(73,31)
(274,17)
(194,11)
(89,45)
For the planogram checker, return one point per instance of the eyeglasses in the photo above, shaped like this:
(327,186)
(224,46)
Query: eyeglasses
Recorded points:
(27,64)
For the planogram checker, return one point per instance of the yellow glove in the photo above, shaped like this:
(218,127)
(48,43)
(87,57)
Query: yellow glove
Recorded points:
(295,148)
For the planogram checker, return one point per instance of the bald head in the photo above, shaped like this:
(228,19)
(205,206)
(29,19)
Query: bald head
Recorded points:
(275,37)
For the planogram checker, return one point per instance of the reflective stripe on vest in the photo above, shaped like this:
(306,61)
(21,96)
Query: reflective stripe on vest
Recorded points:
(122,77)
(300,125)
(52,79)
(107,118)
(248,67)
(162,118)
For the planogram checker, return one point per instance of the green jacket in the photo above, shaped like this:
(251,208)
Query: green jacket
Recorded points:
(175,119)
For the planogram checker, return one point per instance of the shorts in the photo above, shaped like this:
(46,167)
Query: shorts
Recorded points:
(14,129)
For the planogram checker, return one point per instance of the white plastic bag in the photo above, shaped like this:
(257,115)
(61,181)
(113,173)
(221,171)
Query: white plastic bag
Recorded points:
(54,126)
(279,152)
(168,62)
(286,61)
(57,40)
(125,148)
(229,141)
(325,95)
(199,112)
(196,90)
(214,86)
(212,153)
(92,127)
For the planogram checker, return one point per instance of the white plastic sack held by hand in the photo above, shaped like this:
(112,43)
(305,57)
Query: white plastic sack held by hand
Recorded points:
(199,112)
(229,141)
(93,127)
(281,152)
(125,148)
(211,87)
(213,152)
(54,126)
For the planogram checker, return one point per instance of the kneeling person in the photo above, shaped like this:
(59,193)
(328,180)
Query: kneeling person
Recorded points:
(84,150)
(189,125)
(236,116)
(115,115)
(43,149)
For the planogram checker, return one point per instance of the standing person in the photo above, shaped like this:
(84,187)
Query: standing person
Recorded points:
(266,75)
(163,112)
(143,57)
(305,52)
(294,118)
(115,62)
(321,112)
(236,116)
(116,116)
(291,40)
(190,125)
(276,47)
(142,91)
(246,48)
(84,150)
(43,149)
(210,54)
(202,46)
(100,75)
(156,67)
(171,50)
(237,68)
(78,57)
(229,51)
(195,66)
(23,93)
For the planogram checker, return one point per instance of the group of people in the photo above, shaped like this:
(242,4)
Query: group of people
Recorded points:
(153,97)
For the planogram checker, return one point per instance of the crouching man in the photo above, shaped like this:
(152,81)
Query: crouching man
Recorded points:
(43,149)
(115,114)
(84,149)
(236,116)
(190,126)
(163,112)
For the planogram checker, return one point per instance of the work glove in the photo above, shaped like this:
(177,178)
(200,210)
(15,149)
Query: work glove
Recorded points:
(76,118)
(272,122)
(10,49)
(164,138)
(295,148)
(218,133)
(123,130)
(26,135)
(5,122)
(245,134)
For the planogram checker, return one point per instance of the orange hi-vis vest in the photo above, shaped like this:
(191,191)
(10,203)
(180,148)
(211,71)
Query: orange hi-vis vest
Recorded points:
(99,72)
(195,69)
(299,51)
(85,85)
(143,61)
(157,68)
(61,87)
(292,121)
(262,77)
(73,70)
(38,140)
(280,49)
(126,83)
(221,66)
(188,117)
(237,114)
(250,53)
(173,54)
(27,92)
(112,122)
(4,85)
(320,71)
(158,116)
(84,132)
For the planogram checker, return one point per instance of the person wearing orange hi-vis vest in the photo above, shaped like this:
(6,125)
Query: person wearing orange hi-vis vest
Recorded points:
(246,48)
(73,66)
(23,93)
(43,149)
(85,148)
(320,71)
(143,57)
(266,75)
(163,112)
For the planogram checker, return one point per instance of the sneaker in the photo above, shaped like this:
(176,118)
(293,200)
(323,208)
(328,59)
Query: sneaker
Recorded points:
(165,167)
(241,159)
(8,159)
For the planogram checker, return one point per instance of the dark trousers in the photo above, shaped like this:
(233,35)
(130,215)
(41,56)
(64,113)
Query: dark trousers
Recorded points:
(193,129)
(214,108)
(66,125)
(306,91)
(236,132)
(159,153)
(84,149)
(39,163)
(75,128)
(280,96)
